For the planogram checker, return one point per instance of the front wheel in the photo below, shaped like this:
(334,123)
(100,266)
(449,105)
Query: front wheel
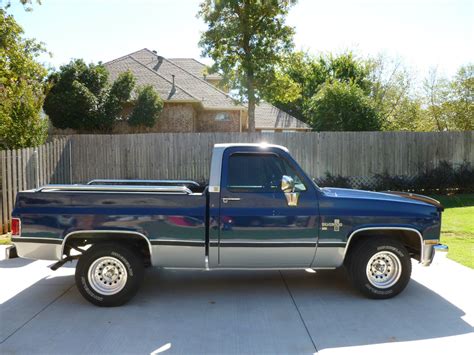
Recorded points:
(109,275)
(380,268)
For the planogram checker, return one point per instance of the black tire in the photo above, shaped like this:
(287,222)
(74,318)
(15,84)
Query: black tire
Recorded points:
(109,275)
(389,271)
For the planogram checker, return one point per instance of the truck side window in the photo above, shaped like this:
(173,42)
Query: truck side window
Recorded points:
(250,172)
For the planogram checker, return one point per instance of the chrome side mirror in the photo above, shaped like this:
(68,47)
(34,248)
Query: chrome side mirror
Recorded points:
(287,184)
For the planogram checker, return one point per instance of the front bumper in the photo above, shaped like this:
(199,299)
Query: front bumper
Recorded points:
(428,252)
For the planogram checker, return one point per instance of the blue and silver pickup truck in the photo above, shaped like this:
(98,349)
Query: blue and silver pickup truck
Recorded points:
(259,211)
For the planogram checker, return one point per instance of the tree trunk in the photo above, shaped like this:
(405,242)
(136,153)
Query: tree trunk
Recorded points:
(251,104)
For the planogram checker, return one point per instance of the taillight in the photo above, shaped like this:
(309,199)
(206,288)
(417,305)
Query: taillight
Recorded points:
(16,227)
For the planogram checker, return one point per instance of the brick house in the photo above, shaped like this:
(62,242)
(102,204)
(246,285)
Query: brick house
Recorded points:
(192,100)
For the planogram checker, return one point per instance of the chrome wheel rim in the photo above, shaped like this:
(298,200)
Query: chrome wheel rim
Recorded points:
(107,275)
(384,269)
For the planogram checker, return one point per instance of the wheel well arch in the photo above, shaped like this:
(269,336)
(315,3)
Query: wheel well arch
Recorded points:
(131,238)
(411,238)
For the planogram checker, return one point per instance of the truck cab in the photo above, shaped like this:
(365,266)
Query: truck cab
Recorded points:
(254,220)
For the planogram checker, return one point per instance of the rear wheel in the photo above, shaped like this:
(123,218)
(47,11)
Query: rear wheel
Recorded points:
(379,267)
(109,274)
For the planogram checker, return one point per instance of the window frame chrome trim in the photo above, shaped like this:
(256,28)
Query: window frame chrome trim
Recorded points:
(218,154)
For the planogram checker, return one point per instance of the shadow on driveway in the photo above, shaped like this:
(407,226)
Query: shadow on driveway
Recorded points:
(222,312)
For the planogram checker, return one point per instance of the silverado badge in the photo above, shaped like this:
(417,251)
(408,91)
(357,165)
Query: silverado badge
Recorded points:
(336,224)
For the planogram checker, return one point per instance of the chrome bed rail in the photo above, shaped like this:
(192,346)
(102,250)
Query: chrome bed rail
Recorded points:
(144,182)
(115,188)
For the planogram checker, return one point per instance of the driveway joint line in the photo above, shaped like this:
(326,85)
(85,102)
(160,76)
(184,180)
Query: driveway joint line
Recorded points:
(298,310)
(36,314)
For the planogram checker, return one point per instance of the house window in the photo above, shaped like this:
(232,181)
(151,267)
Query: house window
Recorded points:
(222,117)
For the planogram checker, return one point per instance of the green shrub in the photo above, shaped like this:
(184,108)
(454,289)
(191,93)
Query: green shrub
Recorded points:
(342,107)
(441,179)
(81,98)
(147,108)
(330,180)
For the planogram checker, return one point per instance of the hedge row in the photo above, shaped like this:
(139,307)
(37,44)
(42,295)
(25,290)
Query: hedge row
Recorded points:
(442,179)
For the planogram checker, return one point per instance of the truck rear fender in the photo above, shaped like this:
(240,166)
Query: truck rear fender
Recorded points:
(120,236)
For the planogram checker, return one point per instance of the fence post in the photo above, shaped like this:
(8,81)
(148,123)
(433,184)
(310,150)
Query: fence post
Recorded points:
(5,217)
(70,160)
(36,162)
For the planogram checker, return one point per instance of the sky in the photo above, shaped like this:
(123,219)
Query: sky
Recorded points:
(422,34)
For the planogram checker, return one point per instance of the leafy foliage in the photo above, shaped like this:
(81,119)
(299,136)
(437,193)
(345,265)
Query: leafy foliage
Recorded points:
(341,106)
(388,88)
(247,39)
(461,101)
(80,97)
(450,103)
(147,108)
(330,180)
(310,75)
(115,98)
(392,95)
(22,87)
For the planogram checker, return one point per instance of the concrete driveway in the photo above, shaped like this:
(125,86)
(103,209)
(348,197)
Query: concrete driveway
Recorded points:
(225,312)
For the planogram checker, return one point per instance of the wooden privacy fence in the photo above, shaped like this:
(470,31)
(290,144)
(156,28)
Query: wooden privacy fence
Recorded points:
(188,155)
(29,168)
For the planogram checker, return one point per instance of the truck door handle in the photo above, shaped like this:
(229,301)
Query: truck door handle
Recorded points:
(227,199)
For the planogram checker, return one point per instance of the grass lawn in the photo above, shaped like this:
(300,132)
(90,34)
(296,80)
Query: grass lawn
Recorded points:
(457,227)
(5,239)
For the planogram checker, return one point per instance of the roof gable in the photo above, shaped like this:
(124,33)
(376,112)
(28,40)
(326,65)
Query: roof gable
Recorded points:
(144,76)
(210,96)
(195,67)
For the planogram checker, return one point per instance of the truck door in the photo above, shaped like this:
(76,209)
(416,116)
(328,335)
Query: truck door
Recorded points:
(258,228)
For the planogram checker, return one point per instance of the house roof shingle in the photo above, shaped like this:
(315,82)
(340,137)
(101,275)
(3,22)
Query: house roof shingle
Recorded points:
(268,116)
(208,94)
(194,67)
(144,76)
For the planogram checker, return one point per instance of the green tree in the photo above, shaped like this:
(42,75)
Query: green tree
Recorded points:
(81,98)
(393,96)
(340,106)
(450,103)
(437,92)
(148,107)
(462,99)
(247,39)
(310,74)
(22,87)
